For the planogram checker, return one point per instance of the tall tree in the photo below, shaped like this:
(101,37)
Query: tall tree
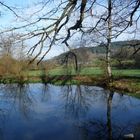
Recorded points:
(109,36)
(58,21)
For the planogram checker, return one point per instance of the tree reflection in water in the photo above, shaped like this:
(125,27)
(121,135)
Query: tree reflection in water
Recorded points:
(137,131)
(2,117)
(18,95)
(96,113)
(45,94)
(77,100)
(109,109)
(22,96)
(98,129)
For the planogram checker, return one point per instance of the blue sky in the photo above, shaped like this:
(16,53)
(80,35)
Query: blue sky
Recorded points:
(6,20)
(18,2)
(6,15)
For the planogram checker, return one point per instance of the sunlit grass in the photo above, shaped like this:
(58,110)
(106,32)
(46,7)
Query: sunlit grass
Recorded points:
(95,71)
(127,72)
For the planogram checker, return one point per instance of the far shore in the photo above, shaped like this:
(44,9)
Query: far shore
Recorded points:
(123,84)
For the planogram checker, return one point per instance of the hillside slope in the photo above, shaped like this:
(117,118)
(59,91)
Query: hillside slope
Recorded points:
(89,54)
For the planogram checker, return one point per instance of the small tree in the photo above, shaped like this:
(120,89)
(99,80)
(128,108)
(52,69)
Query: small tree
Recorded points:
(12,60)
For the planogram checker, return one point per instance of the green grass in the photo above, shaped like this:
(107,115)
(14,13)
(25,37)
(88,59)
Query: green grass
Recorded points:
(127,80)
(34,73)
(60,71)
(92,71)
(95,71)
(127,72)
(84,71)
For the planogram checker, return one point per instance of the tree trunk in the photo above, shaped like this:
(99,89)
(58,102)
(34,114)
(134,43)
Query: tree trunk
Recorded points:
(108,52)
(109,70)
(109,109)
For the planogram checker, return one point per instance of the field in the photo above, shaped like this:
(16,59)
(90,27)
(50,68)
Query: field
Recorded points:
(96,71)
(124,80)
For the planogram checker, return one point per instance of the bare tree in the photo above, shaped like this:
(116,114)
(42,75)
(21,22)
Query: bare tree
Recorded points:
(108,53)
(12,56)
(50,32)
(59,23)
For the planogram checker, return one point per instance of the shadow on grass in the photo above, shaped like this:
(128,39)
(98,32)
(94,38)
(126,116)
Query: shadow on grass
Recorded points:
(61,79)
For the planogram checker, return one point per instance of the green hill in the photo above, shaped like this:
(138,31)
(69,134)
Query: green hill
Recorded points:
(88,55)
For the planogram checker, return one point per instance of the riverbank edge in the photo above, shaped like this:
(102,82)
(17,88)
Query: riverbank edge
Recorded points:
(128,85)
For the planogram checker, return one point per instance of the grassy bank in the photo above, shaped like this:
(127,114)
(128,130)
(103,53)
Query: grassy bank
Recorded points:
(123,80)
(89,71)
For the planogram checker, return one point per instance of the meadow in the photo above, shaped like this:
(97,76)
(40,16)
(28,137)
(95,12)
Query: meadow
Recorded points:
(87,71)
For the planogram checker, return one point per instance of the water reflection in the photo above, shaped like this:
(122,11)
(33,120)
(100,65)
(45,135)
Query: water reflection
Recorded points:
(77,100)
(2,117)
(73,112)
(109,108)
(18,95)
(110,129)
(45,94)
(80,100)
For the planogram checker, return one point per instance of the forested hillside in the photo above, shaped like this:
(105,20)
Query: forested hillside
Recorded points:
(121,51)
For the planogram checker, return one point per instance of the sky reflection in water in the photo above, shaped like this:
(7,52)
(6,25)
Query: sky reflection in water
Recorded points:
(38,111)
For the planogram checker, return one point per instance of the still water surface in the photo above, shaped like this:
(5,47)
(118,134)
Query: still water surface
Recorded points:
(47,112)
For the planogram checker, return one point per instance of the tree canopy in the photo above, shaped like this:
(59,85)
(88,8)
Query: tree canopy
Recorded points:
(58,21)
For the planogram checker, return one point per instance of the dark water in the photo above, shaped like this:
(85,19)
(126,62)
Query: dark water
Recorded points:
(39,112)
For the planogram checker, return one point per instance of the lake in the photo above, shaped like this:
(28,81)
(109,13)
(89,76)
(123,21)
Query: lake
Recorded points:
(48,112)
